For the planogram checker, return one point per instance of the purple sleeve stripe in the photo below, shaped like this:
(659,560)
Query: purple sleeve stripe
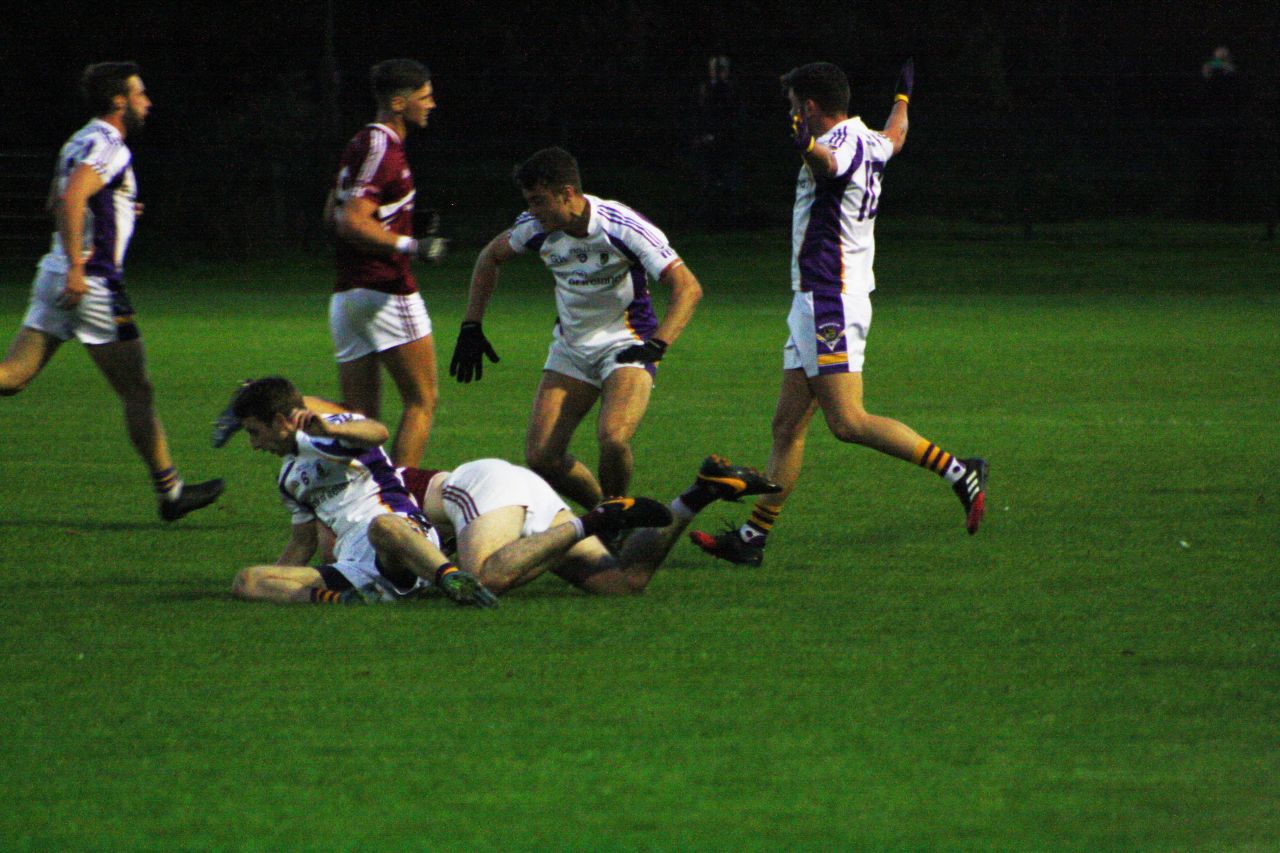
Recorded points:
(634,226)
(628,217)
(334,448)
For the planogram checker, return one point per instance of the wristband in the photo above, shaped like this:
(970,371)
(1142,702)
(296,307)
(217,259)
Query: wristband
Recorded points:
(406,245)
(906,99)
(446,569)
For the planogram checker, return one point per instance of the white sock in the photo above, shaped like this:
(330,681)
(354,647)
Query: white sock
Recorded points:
(954,471)
(579,529)
(681,510)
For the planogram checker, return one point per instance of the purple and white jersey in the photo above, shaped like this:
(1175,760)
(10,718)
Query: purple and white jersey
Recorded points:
(833,242)
(344,487)
(109,214)
(602,291)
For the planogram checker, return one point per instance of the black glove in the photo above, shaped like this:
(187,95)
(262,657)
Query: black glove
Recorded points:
(906,81)
(649,352)
(469,353)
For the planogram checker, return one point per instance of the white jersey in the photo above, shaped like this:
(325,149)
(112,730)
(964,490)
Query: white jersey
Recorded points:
(833,241)
(109,215)
(602,292)
(345,487)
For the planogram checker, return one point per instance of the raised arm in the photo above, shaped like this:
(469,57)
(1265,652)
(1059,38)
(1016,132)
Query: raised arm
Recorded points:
(361,432)
(896,127)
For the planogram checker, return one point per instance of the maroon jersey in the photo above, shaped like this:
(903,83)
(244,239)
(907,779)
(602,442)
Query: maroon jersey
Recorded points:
(374,167)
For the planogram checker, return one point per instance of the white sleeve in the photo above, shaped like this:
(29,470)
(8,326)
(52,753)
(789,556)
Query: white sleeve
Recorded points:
(879,146)
(525,232)
(643,240)
(300,513)
(108,157)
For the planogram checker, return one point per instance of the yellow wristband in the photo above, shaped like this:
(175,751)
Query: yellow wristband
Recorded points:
(906,99)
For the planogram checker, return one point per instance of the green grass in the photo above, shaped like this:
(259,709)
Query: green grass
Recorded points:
(1097,669)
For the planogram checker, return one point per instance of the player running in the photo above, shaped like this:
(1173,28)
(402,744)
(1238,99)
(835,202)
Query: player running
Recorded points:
(832,250)
(607,340)
(79,289)
(335,473)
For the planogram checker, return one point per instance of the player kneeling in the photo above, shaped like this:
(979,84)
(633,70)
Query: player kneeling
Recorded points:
(511,526)
(336,473)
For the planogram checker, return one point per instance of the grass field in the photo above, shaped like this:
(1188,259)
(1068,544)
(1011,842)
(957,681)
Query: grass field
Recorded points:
(1096,669)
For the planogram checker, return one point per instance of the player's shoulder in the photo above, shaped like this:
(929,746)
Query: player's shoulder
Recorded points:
(526,221)
(623,221)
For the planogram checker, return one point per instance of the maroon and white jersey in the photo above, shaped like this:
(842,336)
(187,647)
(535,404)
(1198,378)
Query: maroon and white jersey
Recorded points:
(374,167)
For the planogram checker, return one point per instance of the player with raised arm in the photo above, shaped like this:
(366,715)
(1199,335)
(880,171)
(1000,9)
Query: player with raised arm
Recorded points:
(512,527)
(607,340)
(833,248)
(335,473)
(376,314)
(79,288)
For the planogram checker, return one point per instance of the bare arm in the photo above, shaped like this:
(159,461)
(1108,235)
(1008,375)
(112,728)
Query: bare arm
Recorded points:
(896,127)
(354,222)
(685,294)
(364,432)
(821,160)
(484,277)
(70,212)
(301,546)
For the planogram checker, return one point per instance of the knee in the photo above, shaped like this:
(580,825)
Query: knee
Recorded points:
(382,531)
(544,461)
(614,442)
(245,584)
(852,430)
(422,400)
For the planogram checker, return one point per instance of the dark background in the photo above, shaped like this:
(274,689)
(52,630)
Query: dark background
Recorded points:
(1024,112)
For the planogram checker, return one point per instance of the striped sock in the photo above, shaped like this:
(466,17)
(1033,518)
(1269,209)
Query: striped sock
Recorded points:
(757,528)
(167,482)
(931,456)
(325,596)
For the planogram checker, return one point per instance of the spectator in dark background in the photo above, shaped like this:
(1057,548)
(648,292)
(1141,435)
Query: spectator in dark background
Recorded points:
(1220,107)
(717,144)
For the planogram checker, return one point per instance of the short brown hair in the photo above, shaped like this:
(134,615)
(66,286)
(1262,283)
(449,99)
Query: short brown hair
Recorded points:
(265,398)
(393,77)
(102,81)
(551,167)
(821,82)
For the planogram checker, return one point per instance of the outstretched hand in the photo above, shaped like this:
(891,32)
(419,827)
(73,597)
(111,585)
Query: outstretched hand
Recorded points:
(469,353)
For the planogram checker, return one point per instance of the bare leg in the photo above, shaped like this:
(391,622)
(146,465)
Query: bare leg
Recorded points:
(281,584)
(413,368)
(840,396)
(791,417)
(124,365)
(623,402)
(401,546)
(559,406)
(360,385)
(28,354)
(492,549)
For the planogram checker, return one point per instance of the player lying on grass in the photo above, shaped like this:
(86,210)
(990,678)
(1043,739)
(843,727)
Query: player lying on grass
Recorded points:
(335,473)
(511,526)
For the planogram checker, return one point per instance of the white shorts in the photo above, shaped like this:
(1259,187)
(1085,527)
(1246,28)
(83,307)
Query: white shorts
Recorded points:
(474,488)
(590,364)
(356,560)
(364,321)
(828,333)
(103,315)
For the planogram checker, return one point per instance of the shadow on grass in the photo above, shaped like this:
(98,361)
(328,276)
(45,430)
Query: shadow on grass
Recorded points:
(80,526)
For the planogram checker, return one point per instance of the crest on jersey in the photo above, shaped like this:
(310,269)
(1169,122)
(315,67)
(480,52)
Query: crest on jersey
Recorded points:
(829,335)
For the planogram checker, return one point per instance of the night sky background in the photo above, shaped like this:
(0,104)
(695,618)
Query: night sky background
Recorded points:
(1023,111)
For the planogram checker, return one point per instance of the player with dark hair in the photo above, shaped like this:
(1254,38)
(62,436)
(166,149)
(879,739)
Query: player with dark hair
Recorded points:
(607,339)
(833,246)
(376,314)
(336,474)
(79,289)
